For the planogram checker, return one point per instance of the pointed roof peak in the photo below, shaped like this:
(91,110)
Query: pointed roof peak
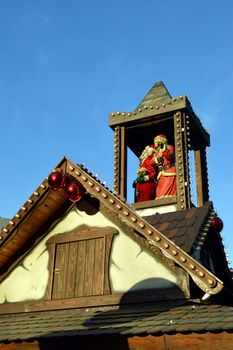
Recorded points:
(158,94)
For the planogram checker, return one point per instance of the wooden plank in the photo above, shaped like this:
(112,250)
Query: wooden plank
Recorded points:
(80,270)
(64,270)
(72,269)
(56,273)
(204,341)
(108,244)
(98,274)
(89,268)
(48,293)
(49,205)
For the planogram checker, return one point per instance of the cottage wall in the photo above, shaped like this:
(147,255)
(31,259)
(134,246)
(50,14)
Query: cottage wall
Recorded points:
(130,267)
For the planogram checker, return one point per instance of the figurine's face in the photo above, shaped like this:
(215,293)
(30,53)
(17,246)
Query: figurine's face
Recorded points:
(142,172)
(160,143)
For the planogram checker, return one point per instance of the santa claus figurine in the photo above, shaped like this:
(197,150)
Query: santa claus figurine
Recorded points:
(164,159)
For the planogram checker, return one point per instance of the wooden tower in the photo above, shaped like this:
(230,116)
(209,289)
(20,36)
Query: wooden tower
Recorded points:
(159,113)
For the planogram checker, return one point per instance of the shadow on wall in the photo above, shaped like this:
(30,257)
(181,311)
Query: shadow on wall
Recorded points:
(109,327)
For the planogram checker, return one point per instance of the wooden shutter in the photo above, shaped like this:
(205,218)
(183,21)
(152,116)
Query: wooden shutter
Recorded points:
(79,263)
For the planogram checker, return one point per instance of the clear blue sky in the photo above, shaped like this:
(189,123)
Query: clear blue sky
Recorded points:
(66,64)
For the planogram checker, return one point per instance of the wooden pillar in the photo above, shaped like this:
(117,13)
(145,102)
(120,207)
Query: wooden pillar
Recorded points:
(202,185)
(182,161)
(120,161)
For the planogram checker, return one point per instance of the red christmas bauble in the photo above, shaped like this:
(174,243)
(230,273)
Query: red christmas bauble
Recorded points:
(73,192)
(57,180)
(216,225)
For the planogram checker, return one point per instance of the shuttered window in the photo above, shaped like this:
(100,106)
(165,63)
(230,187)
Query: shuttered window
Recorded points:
(79,263)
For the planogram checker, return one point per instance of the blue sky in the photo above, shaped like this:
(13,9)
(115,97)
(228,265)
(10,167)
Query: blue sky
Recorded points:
(66,64)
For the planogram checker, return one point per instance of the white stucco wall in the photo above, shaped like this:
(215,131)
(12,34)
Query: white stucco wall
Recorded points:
(129,265)
(157,210)
(132,268)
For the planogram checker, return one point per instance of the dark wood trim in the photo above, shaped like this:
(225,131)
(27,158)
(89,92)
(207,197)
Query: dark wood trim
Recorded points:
(182,161)
(180,179)
(201,176)
(120,161)
(116,166)
(186,143)
(155,203)
(92,301)
(123,163)
(79,234)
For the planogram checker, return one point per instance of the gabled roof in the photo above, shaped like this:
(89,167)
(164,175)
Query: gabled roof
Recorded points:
(142,319)
(46,206)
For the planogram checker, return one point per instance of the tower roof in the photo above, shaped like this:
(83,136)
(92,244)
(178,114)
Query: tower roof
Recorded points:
(157,95)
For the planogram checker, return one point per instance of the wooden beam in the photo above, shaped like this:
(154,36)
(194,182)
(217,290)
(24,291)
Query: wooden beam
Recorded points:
(180,161)
(201,176)
(120,161)
(90,301)
(123,164)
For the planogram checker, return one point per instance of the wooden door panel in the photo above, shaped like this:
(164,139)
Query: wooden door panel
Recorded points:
(80,263)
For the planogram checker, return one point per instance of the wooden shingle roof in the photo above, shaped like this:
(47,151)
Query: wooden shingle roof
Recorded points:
(142,319)
(184,227)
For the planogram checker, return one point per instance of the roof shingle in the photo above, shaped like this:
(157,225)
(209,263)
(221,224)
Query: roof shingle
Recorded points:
(147,318)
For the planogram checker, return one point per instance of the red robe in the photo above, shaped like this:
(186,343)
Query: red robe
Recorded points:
(166,186)
(146,191)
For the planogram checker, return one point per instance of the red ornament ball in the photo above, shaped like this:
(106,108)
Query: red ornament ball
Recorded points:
(57,180)
(216,224)
(73,192)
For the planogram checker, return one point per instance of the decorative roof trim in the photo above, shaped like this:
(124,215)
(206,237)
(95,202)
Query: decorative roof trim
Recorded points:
(22,212)
(175,103)
(204,230)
